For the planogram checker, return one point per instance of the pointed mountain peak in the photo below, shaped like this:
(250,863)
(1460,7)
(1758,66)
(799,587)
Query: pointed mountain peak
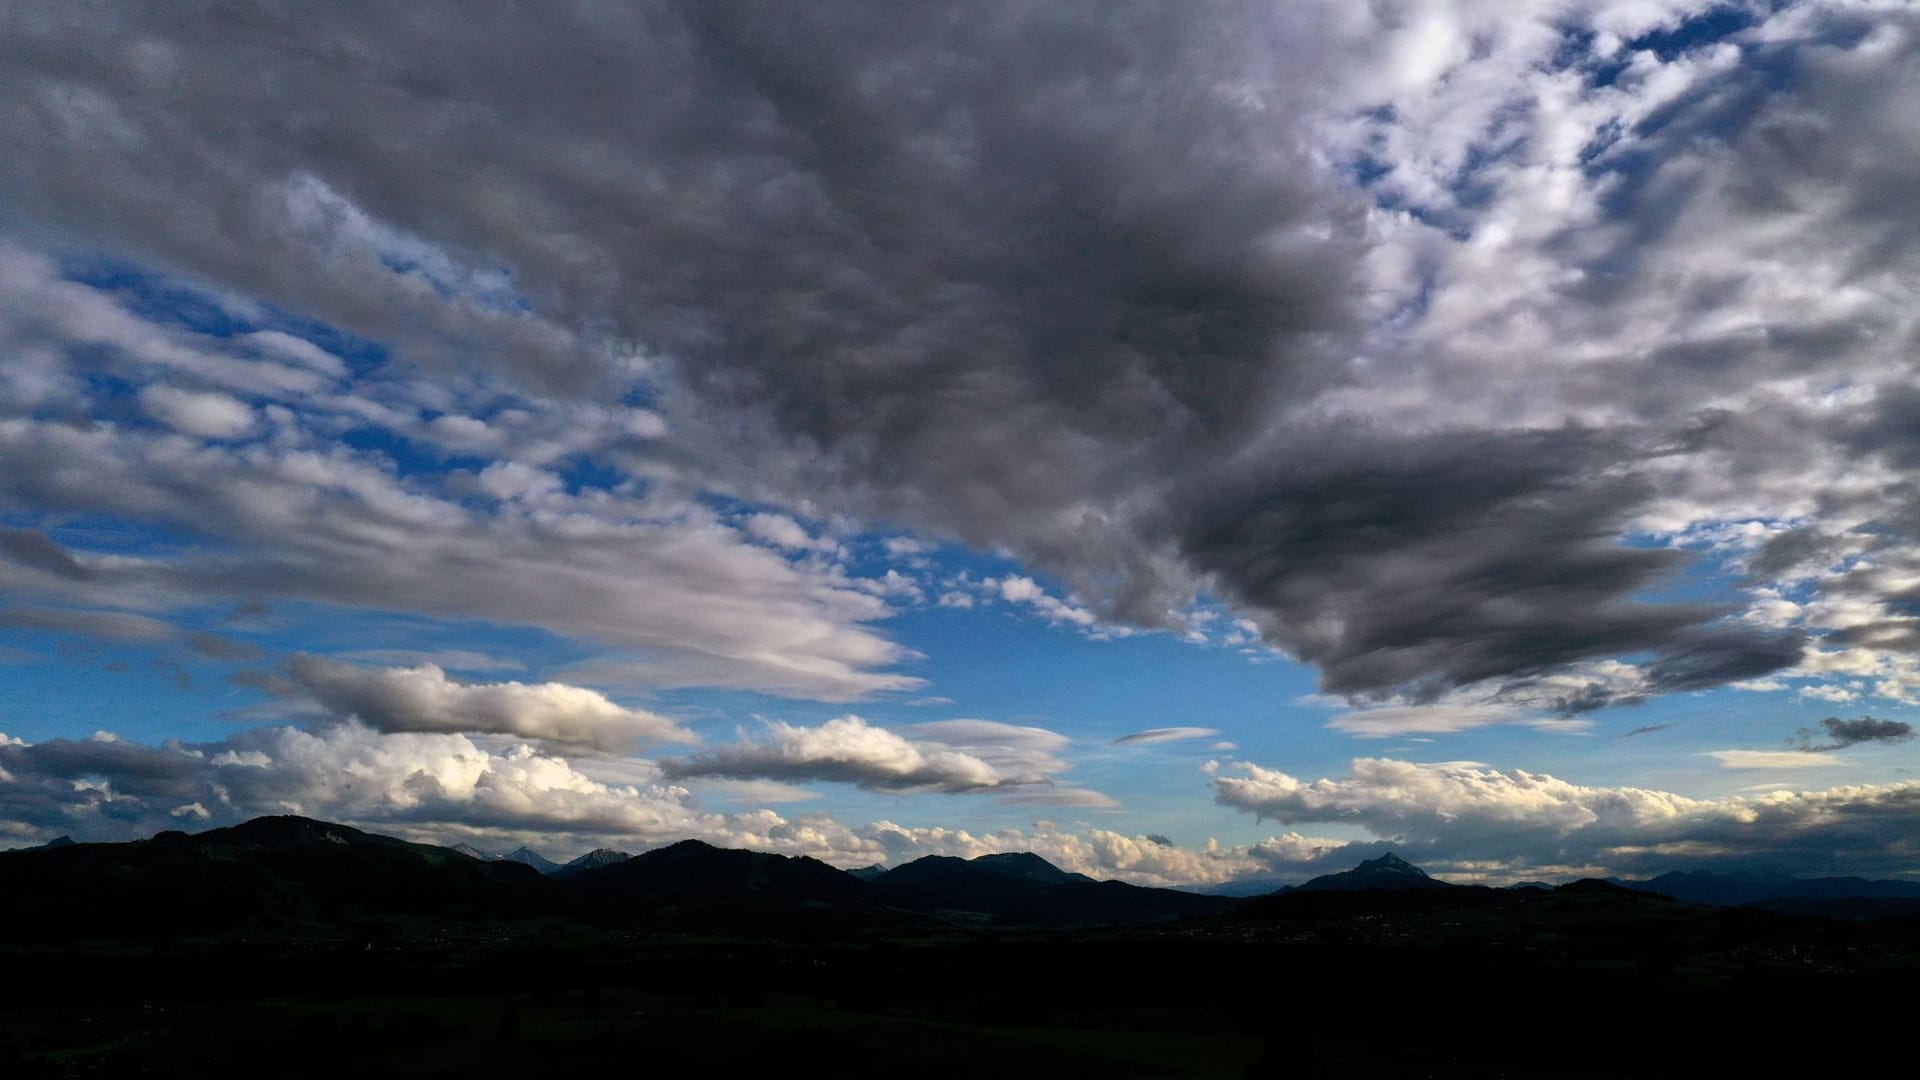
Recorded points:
(686,847)
(592,860)
(1389,864)
(529,857)
(1389,871)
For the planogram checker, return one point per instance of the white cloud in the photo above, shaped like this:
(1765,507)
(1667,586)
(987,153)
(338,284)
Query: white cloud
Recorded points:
(457,659)
(1838,695)
(784,532)
(1025,592)
(445,788)
(424,699)
(849,750)
(1463,811)
(515,480)
(1390,721)
(305,519)
(208,414)
(299,350)
(1773,759)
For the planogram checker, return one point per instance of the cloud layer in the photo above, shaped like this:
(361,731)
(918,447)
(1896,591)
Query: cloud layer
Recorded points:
(1514,819)
(447,788)
(1164,305)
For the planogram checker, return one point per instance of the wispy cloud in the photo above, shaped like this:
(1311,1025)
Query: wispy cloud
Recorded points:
(1166,735)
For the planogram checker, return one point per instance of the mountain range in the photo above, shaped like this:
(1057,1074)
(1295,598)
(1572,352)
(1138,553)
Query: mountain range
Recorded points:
(292,875)
(526,856)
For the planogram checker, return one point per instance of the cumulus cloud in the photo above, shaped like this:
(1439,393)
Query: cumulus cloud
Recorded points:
(424,699)
(1771,759)
(447,788)
(1515,819)
(110,788)
(950,756)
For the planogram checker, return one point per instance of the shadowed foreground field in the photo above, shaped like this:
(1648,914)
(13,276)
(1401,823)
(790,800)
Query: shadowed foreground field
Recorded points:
(1172,1002)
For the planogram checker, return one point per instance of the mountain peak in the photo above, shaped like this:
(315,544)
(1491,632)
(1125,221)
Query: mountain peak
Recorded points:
(1388,871)
(1024,864)
(283,830)
(1389,864)
(592,860)
(526,856)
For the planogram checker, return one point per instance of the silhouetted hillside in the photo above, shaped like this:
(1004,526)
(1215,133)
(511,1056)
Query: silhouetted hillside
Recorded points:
(694,885)
(1024,889)
(272,873)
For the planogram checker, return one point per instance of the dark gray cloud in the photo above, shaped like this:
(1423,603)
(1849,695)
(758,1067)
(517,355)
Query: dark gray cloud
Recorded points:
(1066,279)
(1793,549)
(1422,564)
(39,551)
(1838,734)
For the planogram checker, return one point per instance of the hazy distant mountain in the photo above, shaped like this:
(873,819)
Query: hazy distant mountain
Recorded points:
(592,860)
(56,842)
(1389,871)
(868,873)
(472,852)
(1244,887)
(272,873)
(526,856)
(1833,896)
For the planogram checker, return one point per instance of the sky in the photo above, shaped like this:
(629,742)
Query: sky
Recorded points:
(1193,442)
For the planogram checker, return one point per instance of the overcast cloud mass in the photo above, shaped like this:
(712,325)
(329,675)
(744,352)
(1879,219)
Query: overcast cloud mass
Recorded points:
(548,425)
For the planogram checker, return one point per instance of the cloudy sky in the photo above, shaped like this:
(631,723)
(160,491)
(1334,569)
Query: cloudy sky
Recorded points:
(1190,441)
